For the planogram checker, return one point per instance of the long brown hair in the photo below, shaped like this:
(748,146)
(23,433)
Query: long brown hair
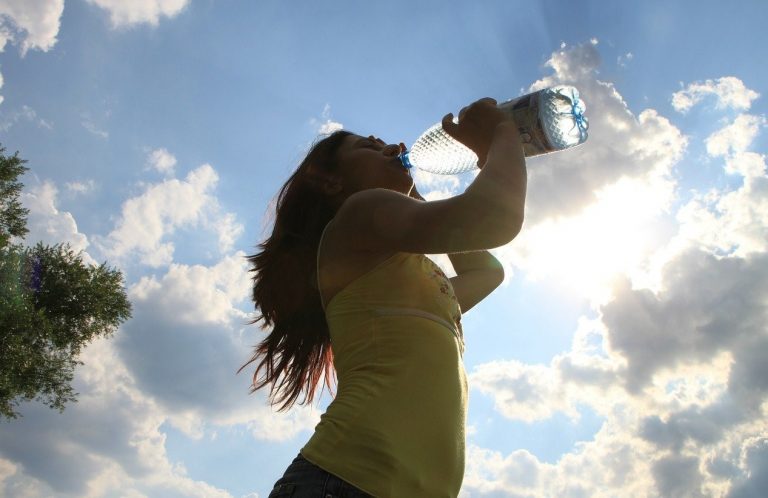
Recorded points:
(296,353)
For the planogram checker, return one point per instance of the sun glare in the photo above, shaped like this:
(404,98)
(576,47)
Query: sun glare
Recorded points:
(608,239)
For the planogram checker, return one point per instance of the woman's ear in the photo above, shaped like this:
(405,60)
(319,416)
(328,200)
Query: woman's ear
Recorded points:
(332,185)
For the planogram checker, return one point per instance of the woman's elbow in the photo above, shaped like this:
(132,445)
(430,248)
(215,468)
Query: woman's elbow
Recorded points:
(510,229)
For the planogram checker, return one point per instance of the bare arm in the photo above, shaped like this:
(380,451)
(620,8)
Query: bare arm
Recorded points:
(477,275)
(488,214)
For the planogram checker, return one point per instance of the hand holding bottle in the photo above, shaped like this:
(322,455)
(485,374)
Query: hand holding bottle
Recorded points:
(548,120)
(476,127)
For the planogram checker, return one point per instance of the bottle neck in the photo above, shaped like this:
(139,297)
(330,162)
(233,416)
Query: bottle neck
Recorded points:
(405,160)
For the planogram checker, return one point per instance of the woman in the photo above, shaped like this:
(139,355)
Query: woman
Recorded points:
(344,285)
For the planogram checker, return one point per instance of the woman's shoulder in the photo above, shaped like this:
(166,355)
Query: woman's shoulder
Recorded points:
(367,220)
(368,198)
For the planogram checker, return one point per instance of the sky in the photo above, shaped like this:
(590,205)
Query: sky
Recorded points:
(624,354)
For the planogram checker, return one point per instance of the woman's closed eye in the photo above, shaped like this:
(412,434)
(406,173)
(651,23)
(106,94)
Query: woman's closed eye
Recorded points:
(375,142)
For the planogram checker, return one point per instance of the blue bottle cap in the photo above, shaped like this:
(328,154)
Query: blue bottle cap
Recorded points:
(405,160)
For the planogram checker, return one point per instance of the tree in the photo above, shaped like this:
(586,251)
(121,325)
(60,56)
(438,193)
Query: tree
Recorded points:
(13,217)
(51,305)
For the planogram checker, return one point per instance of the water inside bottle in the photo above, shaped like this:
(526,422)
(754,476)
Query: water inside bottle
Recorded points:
(562,116)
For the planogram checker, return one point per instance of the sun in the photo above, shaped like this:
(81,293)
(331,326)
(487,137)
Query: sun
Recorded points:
(613,237)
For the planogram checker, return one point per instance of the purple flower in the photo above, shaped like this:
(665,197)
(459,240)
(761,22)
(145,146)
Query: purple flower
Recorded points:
(36,278)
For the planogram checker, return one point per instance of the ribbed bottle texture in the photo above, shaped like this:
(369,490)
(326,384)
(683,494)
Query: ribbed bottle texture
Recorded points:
(549,120)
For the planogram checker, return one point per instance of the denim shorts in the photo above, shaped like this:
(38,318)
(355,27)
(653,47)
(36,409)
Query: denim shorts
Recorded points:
(303,479)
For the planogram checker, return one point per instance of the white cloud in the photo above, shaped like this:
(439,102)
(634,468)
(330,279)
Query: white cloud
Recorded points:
(754,463)
(190,316)
(707,305)
(490,473)
(113,433)
(620,145)
(523,392)
(728,222)
(163,161)
(608,466)
(26,114)
(329,127)
(49,225)
(623,60)
(678,375)
(325,125)
(32,24)
(729,91)
(750,165)
(736,137)
(675,369)
(129,392)
(123,13)
(92,128)
(149,220)
(227,229)
(80,188)
(435,187)
(198,294)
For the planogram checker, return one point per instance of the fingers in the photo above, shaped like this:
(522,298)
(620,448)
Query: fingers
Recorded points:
(484,102)
(448,125)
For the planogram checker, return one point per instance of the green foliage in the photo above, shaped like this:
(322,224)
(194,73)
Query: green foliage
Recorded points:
(13,218)
(52,304)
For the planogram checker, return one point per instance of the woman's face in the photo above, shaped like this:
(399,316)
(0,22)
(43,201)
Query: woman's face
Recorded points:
(368,162)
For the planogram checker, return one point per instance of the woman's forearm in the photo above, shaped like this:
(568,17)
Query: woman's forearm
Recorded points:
(502,181)
(474,261)
(478,273)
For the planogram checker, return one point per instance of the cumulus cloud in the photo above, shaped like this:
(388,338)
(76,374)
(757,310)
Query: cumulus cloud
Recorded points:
(679,376)
(80,188)
(186,379)
(198,336)
(198,294)
(49,225)
(130,393)
(676,369)
(607,466)
(113,433)
(325,125)
(709,304)
(162,161)
(124,14)
(728,222)
(148,220)
(736,137)
(31,25)
(730,93)
(523,392)
(754,480)
(620,144)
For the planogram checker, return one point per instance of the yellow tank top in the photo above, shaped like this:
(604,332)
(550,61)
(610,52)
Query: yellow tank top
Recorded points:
(396,427)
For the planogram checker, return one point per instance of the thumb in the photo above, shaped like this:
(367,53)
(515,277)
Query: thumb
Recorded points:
(448,125)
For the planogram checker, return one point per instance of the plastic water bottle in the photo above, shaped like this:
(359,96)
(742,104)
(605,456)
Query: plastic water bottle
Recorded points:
(549,120)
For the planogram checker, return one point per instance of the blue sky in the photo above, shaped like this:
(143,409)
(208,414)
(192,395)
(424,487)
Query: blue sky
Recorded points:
(623,354)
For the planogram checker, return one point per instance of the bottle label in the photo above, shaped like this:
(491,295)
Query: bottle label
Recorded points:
(524,111)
